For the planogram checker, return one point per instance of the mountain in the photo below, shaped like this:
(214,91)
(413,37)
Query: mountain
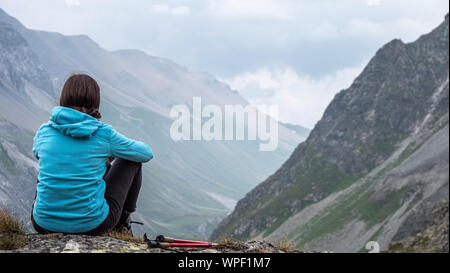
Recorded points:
(188,187)
(433,237)
(300,130)
(378,157)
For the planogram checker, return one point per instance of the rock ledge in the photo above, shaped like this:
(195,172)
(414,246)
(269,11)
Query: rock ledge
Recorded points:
(59,243)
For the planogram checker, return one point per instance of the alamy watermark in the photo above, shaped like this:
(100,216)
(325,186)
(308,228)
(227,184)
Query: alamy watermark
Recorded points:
(210,123)
(373,247)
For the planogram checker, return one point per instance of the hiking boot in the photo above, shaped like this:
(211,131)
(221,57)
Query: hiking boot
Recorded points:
(124,225)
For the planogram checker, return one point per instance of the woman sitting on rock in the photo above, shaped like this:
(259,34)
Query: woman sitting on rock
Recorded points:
(78,190)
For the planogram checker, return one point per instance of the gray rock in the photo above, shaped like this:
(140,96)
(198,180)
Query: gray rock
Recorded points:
(58,243)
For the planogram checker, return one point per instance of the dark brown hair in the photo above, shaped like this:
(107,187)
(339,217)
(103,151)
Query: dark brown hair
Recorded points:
(82,93)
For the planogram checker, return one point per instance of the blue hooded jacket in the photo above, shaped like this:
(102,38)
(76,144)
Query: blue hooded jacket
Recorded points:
(72,149)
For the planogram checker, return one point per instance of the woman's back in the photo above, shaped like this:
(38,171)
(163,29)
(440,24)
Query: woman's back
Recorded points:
(73,148)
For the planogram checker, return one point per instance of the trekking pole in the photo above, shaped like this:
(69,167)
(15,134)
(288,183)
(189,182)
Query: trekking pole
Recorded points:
(161,243)
(162,238)
(164,245)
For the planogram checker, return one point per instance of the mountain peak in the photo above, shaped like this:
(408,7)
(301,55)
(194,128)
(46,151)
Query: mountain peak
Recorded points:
(381,143)
(84,39)
(6,18)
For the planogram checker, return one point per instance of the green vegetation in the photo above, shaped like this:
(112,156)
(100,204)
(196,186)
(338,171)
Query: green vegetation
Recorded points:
(356,205)
(124,236)
(374,238)
(12,231)
(317,181)
(313,183)
(386,147)
(286,246)
(13,234)
(228,241)
(330,219)
(373,212)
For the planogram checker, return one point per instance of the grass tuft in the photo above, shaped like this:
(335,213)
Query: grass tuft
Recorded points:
(124,236)
(286,246)
(12,231)
(228,242)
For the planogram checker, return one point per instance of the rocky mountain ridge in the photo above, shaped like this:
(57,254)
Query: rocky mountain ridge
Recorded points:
(377,157)
(432,236)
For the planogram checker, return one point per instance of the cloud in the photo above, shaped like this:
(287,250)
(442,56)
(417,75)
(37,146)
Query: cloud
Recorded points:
(294,53)
(181,10)
(230,37)
(160,9)
(358,27)
(268,9)
(373,2)
(302,99)
(72,2)
(166,9)
(323,31)
(364,27)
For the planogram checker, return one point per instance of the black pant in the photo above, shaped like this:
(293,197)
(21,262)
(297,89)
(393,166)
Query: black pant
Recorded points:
(123,182)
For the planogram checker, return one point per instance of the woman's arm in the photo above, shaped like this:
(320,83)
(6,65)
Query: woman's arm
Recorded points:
(122,147)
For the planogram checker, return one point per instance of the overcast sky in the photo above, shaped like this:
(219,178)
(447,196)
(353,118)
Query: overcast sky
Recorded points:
(294,53)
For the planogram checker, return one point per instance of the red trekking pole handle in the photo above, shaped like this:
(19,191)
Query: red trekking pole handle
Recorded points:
(166,245)
(181,243)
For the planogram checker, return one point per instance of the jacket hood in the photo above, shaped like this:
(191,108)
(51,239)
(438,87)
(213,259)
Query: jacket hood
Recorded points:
(73,123)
